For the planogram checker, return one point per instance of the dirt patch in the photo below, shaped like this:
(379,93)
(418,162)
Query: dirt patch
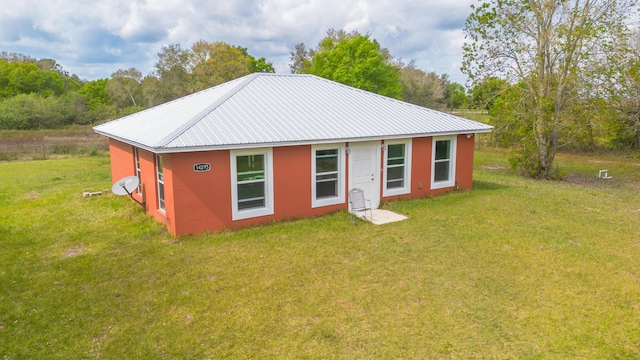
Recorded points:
(494,167)
(590,181)
(74,251)
(31,195)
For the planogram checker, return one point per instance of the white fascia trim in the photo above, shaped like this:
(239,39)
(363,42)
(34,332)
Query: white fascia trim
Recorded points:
(340,199)
(406,189)
(163,150)
(268,209)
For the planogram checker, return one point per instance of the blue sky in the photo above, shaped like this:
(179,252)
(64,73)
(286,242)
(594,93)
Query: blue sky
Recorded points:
(94,39)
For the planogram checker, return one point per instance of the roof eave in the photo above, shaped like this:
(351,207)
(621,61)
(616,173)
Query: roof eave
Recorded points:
(167,150)
(126,141)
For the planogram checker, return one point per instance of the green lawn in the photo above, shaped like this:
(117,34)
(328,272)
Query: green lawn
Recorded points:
(515,268)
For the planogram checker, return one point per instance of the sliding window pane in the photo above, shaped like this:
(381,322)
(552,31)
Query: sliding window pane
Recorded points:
(326,186)
(395,177)
(395,154)
(443,149)
(326,161)
(250,167)
(441,171)
(251,190)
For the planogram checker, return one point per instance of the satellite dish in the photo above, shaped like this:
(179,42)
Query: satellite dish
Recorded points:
(125,186)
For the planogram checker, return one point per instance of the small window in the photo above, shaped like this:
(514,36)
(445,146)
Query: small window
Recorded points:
(160,175)
(252,183)
(443,165)
(397,171)
(327,173)
(137,156)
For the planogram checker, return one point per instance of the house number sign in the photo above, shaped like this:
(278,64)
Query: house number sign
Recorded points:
(201,167)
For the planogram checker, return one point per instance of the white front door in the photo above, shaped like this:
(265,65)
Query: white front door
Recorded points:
(364,169)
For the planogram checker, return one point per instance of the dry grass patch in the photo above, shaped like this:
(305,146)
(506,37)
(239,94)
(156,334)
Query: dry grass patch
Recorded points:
(31,195)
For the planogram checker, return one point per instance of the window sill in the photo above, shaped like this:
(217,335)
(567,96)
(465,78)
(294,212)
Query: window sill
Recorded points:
(442,185)
(327,202)
(395,192)
(249,214)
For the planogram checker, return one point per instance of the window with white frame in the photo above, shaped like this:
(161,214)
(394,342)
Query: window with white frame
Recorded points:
(251,183)
(137,159)
(327,175)
(397,169)
(443,165)
(160,176)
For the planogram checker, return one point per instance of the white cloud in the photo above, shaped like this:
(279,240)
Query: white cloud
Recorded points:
(95,39)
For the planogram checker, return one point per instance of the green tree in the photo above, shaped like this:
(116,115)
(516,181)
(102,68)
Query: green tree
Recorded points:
(183,71)
(98,101)
(95,93)
(51,65)
(174,73)
(457,96)
(355,60)
(424,89)
(25,78)
(72,108)
(71,82)
(626,130)
(512,123)
(552,48)
(216,63)
(15,57)
(486,90)
(32,111)
(125,88)
(152,91)
(260,65)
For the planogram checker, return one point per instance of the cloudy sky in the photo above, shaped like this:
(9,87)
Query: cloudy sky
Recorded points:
(95,38)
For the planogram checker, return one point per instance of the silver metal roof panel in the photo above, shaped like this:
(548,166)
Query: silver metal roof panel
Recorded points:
(274,109)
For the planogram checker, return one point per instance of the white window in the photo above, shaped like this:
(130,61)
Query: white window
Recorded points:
(137,156)
(443,165)
(327,175)
(251,183)
(397,169)
(160,176)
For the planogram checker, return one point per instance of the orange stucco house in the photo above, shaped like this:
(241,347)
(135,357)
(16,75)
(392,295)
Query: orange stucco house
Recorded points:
(268,147)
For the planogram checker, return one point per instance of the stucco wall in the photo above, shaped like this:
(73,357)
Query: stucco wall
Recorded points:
(201,201)
(464,163)
(121,156)
(123,164)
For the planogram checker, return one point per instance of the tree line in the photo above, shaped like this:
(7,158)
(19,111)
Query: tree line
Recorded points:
(36,94)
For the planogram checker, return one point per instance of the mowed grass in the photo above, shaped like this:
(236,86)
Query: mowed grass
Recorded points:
(514,268)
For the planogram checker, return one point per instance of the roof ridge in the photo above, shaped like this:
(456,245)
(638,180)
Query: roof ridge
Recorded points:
(174,134)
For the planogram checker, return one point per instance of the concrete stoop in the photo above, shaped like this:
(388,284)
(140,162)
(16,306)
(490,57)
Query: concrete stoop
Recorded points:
(380,216)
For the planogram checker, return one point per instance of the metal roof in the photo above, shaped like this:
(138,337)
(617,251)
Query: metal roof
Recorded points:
(276,109)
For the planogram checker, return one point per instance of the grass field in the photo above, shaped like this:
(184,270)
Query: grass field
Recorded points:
(514,269)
